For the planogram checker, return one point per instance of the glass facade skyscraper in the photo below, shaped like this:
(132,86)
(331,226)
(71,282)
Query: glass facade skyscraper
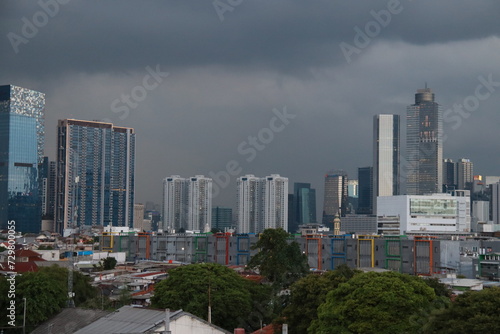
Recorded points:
(222,218)
(365,190)
(305,203)
(424,145)
(22,137)
(95,174)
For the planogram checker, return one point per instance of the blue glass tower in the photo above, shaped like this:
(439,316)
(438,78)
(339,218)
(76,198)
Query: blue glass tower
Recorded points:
(21,149)
(95,175)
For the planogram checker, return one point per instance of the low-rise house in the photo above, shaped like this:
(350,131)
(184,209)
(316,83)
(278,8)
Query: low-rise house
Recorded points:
(129,319)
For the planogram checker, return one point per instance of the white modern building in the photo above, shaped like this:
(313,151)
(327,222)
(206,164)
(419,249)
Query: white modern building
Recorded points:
(199,203)
(187,203)
(261,203)
(385,156)
(175,203)
(249,204)
(276,202)
(427,214)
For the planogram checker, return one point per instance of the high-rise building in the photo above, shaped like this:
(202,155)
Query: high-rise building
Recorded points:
(335,197)
(365,190)
(305,203)
(138,215)
(424,145)
(385,156)
(457,175)
(449,175)
(262,203)
(95,174)
(22,138)
(222,218)
(465,175)
(275,202)
(187,203)
(199,203)
(495,202)
(47,187)
(249,204)
(175,204)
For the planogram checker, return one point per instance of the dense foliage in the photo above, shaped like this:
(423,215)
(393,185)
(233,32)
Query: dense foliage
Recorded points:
(193,287)
(280,261)
(386,302)
(308,293)
(46,292)
(473,312)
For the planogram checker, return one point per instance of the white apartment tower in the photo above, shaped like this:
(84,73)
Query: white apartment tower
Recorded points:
(175,203)
(276,202)
(262,203)
(249,204)
(199,203)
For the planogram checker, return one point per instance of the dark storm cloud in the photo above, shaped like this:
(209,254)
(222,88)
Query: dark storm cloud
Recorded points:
(225,78)
(95,36)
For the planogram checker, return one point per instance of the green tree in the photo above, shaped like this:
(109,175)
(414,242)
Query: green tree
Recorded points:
(46,292)
(375,303)
(308,293)
(279,261)
(109,263)
(472,312)
(439,288)
(194,286)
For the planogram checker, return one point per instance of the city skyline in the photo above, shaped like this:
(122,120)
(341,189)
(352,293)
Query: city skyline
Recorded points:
(197,88)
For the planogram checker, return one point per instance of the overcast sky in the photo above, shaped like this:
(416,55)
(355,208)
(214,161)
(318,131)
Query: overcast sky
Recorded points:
(326,67)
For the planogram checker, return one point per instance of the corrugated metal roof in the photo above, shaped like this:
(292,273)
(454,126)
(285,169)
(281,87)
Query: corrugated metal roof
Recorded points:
(127,319)
(69,321)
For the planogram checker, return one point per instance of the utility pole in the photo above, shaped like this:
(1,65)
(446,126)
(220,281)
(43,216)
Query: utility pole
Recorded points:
(24,317)
(71,302)
(167,321)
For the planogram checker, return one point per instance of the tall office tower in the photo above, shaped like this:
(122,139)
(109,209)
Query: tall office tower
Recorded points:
(249,204)
(22,138)
(175,204)
(199,203)
(222,218)
(47,187)
(275,202)
(95,174)
(335,199)
(365,190)
(495,202)
(305,203)
(424,145)
(449,175)
(464,172)
(385,156)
